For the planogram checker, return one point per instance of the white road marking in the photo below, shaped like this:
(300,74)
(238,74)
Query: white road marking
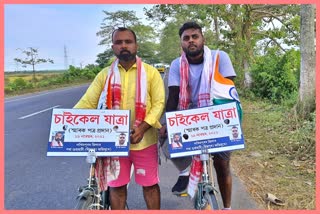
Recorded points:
(38,112)
(13,99)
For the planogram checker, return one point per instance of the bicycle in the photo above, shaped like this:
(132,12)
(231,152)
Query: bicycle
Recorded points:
(206,195)
(90,197)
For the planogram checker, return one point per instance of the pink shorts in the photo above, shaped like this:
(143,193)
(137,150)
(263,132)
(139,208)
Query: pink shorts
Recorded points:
(146,169)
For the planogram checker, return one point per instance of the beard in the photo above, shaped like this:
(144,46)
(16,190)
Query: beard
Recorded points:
(193,53)
(126,56)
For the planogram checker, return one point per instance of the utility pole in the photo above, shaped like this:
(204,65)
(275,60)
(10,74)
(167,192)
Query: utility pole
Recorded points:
(81,65)
(66,65)
(17,66)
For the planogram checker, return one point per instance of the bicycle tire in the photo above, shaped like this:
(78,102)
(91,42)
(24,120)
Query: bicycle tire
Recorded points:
(105,201)
(211,201)
(84,203)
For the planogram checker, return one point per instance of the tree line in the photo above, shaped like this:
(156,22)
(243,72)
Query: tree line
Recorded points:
(272,47)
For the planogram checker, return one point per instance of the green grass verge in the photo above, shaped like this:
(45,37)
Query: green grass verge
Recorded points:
(279,157)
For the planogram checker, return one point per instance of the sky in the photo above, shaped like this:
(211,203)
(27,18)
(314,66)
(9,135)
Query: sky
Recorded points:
(50,27)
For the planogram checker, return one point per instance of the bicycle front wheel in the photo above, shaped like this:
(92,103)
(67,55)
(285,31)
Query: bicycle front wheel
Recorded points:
(105,201)
(211,201)
(85,203)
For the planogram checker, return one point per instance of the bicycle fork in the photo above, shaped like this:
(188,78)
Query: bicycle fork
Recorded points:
(200,201)
(91,189)
(205,186)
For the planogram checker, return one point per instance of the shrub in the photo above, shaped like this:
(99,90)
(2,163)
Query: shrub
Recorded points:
(74,72)
(93,68)
(275,76)
(43,83)
(88,74)
(18,84)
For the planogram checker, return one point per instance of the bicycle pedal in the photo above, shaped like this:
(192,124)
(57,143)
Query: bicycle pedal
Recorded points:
(183,195)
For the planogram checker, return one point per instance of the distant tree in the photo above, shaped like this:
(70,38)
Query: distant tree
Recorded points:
(32,59)
(146,36)
(169,43)
(103,58)
(146,39)
(114,20)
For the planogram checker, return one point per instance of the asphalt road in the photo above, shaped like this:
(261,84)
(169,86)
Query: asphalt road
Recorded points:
(35,181)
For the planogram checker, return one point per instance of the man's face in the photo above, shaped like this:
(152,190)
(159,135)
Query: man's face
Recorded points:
(176,138)
(58,137)
(124,45)
(235,133)
(122,139)
(192,42)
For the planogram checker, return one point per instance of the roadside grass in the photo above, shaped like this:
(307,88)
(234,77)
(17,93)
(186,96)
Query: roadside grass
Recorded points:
(40,77)
(29,76)
(279,157)
(50,87)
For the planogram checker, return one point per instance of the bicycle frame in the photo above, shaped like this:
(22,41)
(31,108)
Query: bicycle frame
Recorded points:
(90,196)
(206,194)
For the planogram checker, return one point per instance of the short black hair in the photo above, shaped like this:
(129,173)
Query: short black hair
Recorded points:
(124,29)
(189,25)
